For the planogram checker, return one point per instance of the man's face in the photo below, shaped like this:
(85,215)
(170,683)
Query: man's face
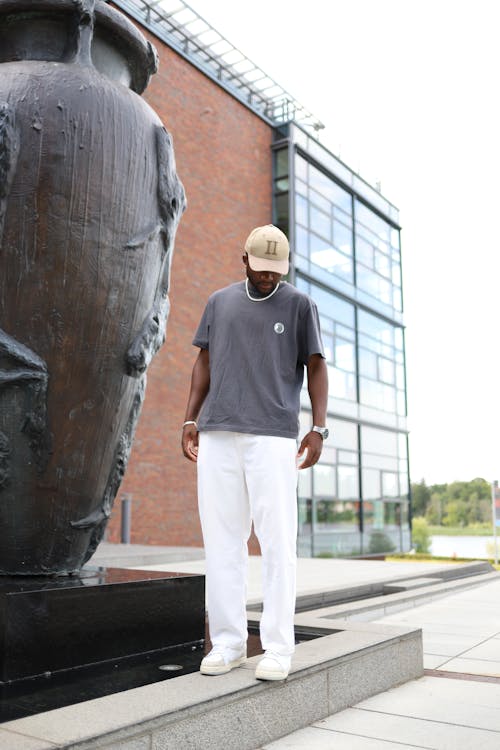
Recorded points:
(263,281)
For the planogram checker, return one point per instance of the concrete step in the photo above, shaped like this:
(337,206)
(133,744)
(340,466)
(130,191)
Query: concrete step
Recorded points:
(333,671)
(410,583)
(372,608)
(344,595)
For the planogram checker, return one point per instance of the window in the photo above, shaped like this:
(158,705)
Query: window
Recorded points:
(378,267)
(347,258)
(281,163)
(281,190)
(323,213)
(337,320)
(381,368)
(332,485)
(348,482)
(384,464)
(324,483)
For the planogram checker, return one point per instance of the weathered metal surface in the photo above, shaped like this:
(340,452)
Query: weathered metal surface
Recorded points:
(89,204)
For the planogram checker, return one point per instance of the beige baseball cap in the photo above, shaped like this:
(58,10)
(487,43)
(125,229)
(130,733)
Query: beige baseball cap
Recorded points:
(268,249)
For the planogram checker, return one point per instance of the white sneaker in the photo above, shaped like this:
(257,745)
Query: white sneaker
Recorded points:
(273,667)
(221,660)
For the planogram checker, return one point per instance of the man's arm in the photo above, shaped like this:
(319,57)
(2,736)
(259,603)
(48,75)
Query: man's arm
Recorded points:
(317,385)
(200,382)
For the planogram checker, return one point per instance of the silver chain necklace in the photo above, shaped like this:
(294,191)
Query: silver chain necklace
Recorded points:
(260,299)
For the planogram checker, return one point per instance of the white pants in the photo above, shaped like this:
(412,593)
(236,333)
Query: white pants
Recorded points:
(243,478)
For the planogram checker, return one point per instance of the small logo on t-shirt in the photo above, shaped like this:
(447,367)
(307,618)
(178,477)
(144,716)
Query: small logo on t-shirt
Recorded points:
(279,327)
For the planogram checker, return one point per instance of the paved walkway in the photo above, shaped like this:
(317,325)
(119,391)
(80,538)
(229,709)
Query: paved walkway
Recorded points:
(455,706)
(313,574)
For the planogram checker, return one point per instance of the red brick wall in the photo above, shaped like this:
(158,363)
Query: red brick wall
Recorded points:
(223,158)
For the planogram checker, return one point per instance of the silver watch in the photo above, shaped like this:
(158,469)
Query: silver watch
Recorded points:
(323,431)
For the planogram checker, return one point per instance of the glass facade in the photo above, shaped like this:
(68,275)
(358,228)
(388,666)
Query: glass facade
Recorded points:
(347,257)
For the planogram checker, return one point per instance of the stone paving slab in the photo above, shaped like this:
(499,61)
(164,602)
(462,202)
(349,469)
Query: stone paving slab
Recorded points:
(460,702)
(472,613)
(375,725)
(487,650)
(318,738)
(463,628)
(464,665)
(447,644)
(476,629)
(434,661)
(430,713)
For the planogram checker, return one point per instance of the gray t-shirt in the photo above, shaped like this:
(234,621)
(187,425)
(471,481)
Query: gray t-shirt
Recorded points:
(257,354)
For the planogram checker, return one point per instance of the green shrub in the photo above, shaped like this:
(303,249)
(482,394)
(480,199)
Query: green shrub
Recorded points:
(380,542)
(420,535)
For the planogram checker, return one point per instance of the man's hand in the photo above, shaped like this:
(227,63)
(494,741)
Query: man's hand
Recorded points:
(200,383)
(190,442)
(313,444)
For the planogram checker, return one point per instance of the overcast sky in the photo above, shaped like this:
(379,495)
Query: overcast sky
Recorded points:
(408,92)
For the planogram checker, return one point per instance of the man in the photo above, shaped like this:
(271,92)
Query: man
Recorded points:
(255,338)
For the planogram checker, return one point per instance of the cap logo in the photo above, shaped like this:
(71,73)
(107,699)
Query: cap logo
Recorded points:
(268,249)
(272,246)
(279,327)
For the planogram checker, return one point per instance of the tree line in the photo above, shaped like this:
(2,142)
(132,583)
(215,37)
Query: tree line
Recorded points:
(454,504)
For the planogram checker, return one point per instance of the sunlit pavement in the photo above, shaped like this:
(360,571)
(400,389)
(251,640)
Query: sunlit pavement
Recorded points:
(456,705)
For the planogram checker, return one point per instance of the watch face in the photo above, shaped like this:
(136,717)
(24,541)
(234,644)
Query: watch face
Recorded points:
(323,431)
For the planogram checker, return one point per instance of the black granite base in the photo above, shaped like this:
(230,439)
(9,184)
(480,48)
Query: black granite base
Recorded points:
(71,639)
(44,693)
(48,625)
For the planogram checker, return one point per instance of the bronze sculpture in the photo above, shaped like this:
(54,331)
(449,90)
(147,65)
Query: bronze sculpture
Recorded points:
(89,205)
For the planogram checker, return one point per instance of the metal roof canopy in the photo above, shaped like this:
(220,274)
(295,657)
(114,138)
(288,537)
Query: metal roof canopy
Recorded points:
(178,24)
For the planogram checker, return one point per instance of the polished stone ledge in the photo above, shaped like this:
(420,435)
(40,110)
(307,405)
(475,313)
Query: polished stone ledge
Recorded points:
(329,673)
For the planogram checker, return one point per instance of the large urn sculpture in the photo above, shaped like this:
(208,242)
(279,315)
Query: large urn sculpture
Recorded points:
(89,204)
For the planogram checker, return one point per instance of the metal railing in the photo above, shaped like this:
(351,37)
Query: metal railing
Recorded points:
(182,28)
